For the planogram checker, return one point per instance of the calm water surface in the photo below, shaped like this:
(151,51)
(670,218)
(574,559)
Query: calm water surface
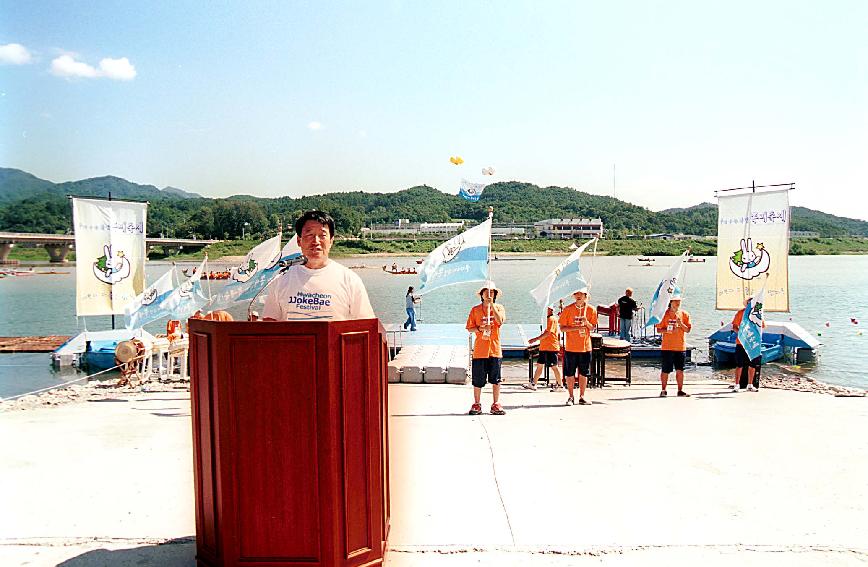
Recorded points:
(823,289)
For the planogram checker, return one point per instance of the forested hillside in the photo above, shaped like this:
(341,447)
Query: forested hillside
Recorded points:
(30,204)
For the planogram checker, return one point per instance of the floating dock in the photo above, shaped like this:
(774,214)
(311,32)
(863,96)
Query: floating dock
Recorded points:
(32,344)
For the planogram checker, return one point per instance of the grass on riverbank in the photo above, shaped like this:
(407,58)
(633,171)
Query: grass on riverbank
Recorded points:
(343,248)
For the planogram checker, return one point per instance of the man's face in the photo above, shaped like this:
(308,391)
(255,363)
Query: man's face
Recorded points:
(487,294)
(315,241)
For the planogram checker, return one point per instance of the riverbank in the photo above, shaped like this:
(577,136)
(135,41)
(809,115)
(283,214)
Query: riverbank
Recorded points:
(538,247)
(631,479)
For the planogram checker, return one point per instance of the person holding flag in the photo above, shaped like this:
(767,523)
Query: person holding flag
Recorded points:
(749,332)
(549,345)
(485,320)
(674,325)
(577,320)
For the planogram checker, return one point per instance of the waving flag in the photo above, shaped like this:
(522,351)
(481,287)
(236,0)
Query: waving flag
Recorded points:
(471,191)
(750,331)
(563,280)
(291,250)
(252,273)
(184,300)
(462,258)
(145,307)
(665,289)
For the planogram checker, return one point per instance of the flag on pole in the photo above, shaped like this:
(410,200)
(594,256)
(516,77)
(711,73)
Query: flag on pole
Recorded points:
(750,331)
(184,300)
(145,307)
(291,250)
(470,190)
(665,289)
(252,273)
(110,254)
(563,280)
(462,258)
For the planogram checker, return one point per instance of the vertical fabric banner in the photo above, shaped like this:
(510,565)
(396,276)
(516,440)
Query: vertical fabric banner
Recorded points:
(110,254)
(753,239)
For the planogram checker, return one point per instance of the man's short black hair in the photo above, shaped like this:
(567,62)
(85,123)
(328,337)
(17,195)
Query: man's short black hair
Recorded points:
(321,217)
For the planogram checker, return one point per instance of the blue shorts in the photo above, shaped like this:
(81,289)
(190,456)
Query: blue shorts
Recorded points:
(672,359)
(547,357)
(484,370)
(580,361)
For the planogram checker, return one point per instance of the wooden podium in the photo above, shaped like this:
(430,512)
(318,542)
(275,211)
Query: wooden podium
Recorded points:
(290,439)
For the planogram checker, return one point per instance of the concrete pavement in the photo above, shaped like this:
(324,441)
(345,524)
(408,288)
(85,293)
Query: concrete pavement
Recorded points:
(772,478)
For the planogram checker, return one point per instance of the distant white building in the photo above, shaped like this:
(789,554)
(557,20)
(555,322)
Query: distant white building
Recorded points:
(567,229)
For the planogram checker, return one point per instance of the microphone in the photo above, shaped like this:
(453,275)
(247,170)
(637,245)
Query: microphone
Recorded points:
(284,266)
(287,264)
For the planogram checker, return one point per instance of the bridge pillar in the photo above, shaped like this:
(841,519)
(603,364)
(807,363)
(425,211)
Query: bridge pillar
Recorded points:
(57,252)
(5,248)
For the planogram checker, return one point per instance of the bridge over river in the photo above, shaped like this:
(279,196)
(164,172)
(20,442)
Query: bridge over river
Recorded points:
(59,245)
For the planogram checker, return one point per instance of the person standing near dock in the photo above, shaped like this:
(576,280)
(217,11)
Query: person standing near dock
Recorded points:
(742,359)
(577,321)
(626,307)
(485,321)
(549,345)
(321,289)
(410,302)
(673,350)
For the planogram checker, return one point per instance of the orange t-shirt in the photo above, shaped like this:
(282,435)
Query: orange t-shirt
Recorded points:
(578,340)
(549,342)
(486,347)
(736,323)
(673,337)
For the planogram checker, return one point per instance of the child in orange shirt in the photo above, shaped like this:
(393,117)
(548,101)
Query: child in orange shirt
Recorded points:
(485,321)
(577,321)
(673,351)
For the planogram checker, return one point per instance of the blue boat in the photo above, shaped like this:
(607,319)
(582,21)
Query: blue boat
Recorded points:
(778,339)
(94,351)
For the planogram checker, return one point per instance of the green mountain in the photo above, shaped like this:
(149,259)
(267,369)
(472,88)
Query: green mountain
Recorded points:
(30,204)
(17,185)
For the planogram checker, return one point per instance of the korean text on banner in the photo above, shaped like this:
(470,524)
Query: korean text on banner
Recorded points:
(753,231)
(110,254)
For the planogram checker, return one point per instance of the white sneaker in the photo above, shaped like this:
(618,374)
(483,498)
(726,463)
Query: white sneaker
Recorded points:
(733,386)
(528,386)
(735,389)
(750,388)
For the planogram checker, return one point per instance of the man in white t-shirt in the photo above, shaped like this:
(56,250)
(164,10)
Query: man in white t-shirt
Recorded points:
(321,289)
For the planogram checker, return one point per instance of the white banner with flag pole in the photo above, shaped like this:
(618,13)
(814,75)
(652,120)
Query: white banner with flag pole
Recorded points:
(110,254)
(664,292)
(462,258)
(563,280)
(752,240)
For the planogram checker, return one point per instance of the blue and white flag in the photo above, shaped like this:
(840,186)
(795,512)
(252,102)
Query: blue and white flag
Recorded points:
(462,258)
(664,292)
(184,300)
(291,250)
(145,307)
(563,280)
(750,331)
(470,190)
(255,271)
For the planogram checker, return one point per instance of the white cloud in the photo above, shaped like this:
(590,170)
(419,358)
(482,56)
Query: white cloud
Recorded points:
(118,69)
(67,66)
(14,54)
(314,125)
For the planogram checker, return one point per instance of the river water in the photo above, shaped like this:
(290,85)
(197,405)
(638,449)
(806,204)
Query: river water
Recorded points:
(825,293)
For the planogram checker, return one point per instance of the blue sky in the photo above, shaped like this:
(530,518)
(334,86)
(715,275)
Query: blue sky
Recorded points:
(307,97)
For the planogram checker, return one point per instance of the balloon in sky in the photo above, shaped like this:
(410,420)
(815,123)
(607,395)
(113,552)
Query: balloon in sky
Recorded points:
(456,160)
(488,170)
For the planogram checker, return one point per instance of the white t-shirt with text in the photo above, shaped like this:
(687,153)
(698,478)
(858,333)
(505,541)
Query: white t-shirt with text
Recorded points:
(331,293)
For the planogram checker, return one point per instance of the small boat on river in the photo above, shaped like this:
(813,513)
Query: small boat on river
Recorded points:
(394,270)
